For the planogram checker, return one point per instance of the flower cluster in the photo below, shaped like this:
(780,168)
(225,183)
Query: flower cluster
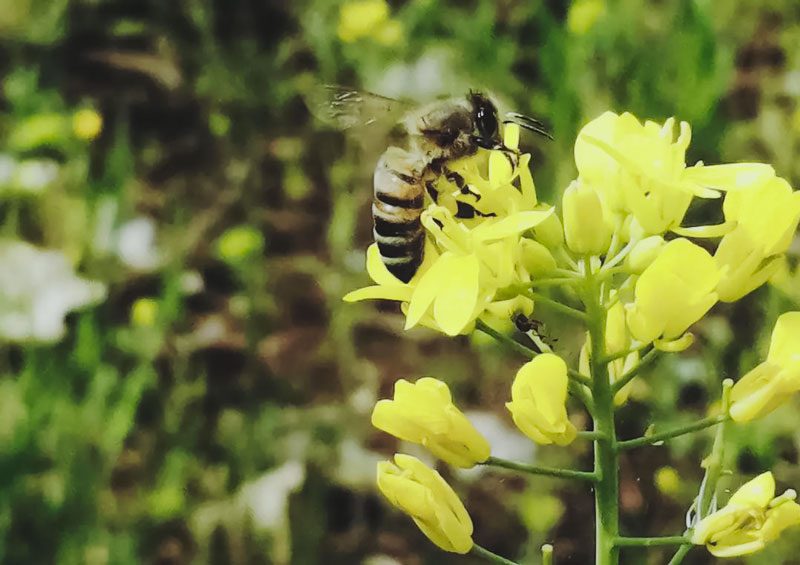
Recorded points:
(643,279)
(473,266)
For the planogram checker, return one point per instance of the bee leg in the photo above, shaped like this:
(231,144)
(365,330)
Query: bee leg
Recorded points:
(432,192)
(462,185)
(466,211)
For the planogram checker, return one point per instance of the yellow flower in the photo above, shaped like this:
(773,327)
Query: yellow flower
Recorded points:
(641,170)
(766,216)
(772,382)
(751,519)
(585,227)
(368,18)
(239,243)
(675,291)
(583,14)
(86,124)
(144,312)
(468,263)
(423,413)
(422,493)
(538,398)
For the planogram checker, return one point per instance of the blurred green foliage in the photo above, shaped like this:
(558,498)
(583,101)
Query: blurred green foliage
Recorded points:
(214,407)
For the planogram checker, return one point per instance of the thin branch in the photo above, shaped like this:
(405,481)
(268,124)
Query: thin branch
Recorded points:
(655,438)
(579,378)
(649,358)
(680,554)
(486,554)
(556,305)
(591,435)
(538,470)
(651,542)
(622,354)
(506,340)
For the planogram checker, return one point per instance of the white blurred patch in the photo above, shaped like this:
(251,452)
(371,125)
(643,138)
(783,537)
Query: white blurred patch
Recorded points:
(136,244)
(507,442)
(357,465)
(35,175)
(429,76)
(267,497)
(38,287)
(7,167)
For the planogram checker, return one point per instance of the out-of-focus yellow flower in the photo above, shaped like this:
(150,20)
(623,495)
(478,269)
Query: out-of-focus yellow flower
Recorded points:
(766,217)
(617,340)
(538,401)
(368,18)
(144,312)
(675,291)
(239,242)
(583,14)
(87,123)
(771,383)
(640,169)
(667,480)
(751,519)
(422,493)
(585,227)
(423,413)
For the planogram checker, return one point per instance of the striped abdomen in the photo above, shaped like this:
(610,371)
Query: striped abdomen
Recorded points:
(396,209)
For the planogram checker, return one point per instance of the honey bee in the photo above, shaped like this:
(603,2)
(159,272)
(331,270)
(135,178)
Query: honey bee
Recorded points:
(436,134)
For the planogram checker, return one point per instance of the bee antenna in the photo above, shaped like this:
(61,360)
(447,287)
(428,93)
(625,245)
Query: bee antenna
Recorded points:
(528,123)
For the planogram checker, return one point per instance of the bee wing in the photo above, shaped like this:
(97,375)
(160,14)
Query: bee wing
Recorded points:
(345,108)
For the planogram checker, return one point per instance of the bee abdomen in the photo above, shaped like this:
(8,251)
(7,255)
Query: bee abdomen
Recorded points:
(396,210)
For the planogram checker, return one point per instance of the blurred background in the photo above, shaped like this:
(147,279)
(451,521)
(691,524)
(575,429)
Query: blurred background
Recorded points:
(180,381)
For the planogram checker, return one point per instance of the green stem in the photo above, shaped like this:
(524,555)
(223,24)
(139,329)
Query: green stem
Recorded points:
(649,358)
(606,464)
(537,470)
(577,377)
(486,554)
(547,554)
(622,354)
(715,461)
(591,435)
(558,306)
(651,542)
(708,488)
(680,554)
(505,340)
(555,281)
(655,438)
(578,391)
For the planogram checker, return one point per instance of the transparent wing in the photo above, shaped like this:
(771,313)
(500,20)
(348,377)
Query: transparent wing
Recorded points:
(345,108)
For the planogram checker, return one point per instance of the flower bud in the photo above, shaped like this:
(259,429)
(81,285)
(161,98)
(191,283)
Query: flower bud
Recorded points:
(644,253)
(585,227)
(538,398)
(423,413)
(536,258)
(422,493)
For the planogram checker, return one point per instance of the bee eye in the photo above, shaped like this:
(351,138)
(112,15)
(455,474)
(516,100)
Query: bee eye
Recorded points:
(486,120)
